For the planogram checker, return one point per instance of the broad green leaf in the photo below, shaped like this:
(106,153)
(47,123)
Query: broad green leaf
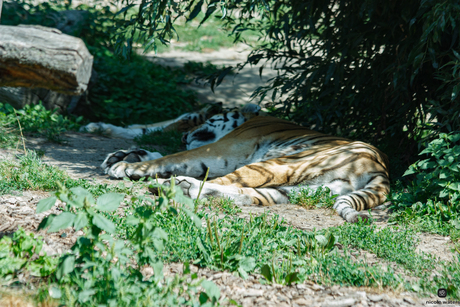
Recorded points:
(455,186)
(248,263)
(62,221)
(46,204)
(158,245)
(410,171)
(66,266)
(195,219)
(291,278)
(109,202)
(160,233)
(321,240)
(266,271)
(158,269)
(211,289)
(443,194)
(80,221)
(77,197)
(104,223)
(46,222)
(85,295)
(54,292)
(203,250)
(131,220)
(116,274)
(243,273)
(182,199)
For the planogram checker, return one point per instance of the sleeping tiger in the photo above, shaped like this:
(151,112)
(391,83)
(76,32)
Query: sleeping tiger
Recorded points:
(262,160)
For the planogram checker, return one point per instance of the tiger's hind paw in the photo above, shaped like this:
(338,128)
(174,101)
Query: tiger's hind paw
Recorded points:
(190,186)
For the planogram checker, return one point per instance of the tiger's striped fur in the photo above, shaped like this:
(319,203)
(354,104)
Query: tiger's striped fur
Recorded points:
(262,160)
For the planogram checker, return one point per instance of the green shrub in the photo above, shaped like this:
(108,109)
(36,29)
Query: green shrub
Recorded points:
(432,198)
(437,178)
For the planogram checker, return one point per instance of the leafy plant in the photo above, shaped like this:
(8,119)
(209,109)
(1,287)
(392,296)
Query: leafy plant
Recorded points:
(435,189)
(38,121)
(22,255)
(99,269)
(310,198)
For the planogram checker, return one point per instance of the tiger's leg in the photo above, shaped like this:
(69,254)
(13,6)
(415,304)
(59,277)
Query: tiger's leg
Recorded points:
(347,205)
(221,158)
(240,195)
(371,195)
(267,184)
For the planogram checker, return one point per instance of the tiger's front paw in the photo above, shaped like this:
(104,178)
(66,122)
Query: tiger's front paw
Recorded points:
(129,156)
(113,158)
(123,169)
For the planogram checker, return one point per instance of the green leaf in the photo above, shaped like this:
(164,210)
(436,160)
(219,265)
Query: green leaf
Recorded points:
(195,219)
(211,290)
(46,222)
(54,292)
(109,202)
(131,220)
(116,274)
(243,273)
(266,271)
(85,295)
(80,221)
(455,186)
(78,197)
(104,223)
(321,240)
(248,263)
(160,233)
(46,204)
(410,171)
(203,250)
(291,278)
(158,245)
(182,199)
(158,270)
(62,221)
(66,265)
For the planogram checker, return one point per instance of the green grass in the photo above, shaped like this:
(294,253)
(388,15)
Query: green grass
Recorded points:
(34,121)
(28,172)
(309,198)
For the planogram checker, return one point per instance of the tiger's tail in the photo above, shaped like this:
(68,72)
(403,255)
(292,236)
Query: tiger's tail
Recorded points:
(370,196)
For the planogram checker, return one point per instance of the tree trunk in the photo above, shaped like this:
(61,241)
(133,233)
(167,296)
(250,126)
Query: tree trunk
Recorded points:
(36,56)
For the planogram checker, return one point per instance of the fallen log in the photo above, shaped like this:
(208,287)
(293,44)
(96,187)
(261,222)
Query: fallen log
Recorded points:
(41,57)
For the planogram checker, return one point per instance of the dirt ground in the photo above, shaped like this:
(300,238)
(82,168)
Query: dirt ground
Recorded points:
(82,154)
